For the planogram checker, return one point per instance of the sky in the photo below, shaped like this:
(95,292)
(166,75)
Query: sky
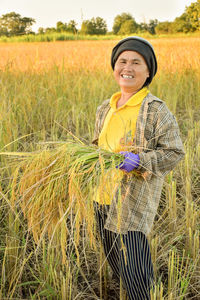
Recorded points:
(48,12)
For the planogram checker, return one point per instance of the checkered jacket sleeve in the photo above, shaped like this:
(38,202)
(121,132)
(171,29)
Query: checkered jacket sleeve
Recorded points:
(164,148)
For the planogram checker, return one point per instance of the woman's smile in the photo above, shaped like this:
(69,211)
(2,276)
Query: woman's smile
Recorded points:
(131,71)
(127,76)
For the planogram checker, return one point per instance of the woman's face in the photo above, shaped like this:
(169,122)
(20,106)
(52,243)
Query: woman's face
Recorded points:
(131,71)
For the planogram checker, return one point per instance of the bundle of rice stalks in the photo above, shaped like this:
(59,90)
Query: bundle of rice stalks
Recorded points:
(53,184)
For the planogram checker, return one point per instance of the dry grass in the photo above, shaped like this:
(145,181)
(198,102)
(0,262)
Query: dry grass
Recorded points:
(173,55)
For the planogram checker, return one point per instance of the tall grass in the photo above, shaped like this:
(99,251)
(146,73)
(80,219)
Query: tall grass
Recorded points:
(52,37)
(41,101)
(66,36)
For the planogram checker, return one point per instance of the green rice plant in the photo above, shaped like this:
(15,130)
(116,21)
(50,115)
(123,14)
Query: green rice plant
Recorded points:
(154,253)
(179,274)
(157,292)
(66,36)
(172,205)
(52,37)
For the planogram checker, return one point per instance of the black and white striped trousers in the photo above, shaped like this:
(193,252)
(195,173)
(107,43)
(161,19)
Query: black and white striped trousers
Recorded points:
(133,265)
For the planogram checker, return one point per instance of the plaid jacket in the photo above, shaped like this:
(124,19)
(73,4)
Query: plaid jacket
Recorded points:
(158,143)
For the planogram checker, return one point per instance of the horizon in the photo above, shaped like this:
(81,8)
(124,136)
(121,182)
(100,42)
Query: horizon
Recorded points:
(47,14)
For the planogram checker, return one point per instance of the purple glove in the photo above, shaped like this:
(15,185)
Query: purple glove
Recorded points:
(130,162)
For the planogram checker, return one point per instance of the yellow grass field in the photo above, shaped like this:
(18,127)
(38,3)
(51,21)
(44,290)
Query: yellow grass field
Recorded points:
(173,54)
(49,92)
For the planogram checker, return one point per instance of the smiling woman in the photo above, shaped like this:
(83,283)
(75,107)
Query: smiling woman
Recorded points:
(140,127)
(131,72)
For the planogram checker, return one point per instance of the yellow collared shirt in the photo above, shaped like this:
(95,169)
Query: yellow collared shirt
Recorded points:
(117,135)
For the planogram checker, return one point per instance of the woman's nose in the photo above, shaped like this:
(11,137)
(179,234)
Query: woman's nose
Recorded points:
(128,66)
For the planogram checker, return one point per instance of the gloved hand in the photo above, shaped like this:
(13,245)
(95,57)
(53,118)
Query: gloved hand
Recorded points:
(130,162)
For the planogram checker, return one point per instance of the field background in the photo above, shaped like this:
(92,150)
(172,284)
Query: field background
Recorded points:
(49,89)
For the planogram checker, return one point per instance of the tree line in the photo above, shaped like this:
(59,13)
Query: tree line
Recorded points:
(12,24)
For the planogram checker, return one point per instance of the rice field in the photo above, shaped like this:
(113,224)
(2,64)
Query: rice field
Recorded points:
(49,249)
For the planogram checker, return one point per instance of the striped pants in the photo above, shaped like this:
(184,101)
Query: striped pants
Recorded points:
(128,256)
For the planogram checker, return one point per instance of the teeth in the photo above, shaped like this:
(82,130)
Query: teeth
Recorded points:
(127,76)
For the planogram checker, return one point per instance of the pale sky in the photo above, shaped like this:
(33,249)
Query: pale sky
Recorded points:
(48,12)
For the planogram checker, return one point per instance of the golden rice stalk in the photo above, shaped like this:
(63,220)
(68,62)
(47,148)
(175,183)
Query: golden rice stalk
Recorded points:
(53,184)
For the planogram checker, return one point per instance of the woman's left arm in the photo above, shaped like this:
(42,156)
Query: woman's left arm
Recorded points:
(168,149)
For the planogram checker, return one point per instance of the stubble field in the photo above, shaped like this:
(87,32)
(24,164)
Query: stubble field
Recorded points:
(49,92)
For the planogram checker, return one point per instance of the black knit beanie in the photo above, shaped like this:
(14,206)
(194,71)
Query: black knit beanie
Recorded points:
(141,46)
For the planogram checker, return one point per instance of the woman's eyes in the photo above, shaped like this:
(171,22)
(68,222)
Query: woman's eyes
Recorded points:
(134,62)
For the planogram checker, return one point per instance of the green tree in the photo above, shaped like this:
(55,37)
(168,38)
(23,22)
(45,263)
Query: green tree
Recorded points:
(148,27)
(128,27)
(87,27)
(193,15)
(66,27)
(100,25)
(164,27)
(41,30)
(3,30)
(50,30)
(151,26)
(94,26)
(72,26)
(60,26)
(13,24)
(142,27)
(182,24)
(119,20)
